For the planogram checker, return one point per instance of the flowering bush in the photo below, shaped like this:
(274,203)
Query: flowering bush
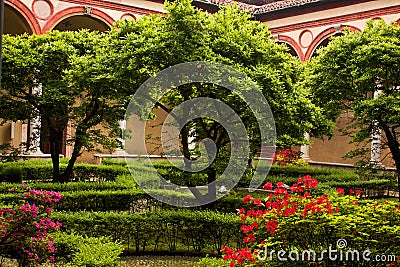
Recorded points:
(24,226)
(289,157)
(300,219)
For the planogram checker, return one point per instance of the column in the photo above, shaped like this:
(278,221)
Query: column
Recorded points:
(36,126)
(305,149)
(376,140)
(119,151)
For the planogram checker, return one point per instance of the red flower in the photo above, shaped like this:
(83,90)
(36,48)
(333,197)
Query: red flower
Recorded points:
(249,238)
(280,184)
(289,211)
(254,225)
(246,228)
(340,191)
(240,211)
(247,199)
(258,202)
(271,227)
(268,186)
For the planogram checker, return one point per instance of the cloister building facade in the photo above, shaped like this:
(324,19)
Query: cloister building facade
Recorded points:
(302,25)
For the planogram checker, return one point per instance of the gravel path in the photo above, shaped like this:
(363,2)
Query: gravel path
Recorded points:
(159,261)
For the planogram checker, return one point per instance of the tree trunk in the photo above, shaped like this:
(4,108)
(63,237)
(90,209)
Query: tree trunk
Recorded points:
(67,174)
(212,187)
(395,150)
(55,151)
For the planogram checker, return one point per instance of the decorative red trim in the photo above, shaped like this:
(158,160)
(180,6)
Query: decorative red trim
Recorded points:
(51,10)
(78,10)
(114,6)
(322,36)
(26,13)
(296,10)
(128,14)
(292,43)
(338,19)
(301,36)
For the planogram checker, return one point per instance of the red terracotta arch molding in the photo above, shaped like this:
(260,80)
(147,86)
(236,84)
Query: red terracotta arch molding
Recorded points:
(78,10)
(293,43)
(26,13)
(324,35)
(128,14)
(51,6)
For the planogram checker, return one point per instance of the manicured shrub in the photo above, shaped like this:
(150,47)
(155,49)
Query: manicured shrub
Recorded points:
(76,250)
(11,174)
(72,186)
(42,171)
(212,262)
(158,230)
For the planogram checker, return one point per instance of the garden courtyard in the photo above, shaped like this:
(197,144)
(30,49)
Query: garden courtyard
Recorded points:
(228,184)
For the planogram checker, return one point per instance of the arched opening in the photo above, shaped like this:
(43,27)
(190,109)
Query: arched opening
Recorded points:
(290,48)
(14,22)
(77,22)
(325,43)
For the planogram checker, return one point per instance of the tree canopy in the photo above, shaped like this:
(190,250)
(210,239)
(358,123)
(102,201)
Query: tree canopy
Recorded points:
(359,73)
(50,76)
(230,36)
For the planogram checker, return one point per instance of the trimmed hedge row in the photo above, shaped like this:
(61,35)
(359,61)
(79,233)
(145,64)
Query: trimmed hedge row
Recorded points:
(197,231)
(70,187)
(129,201)
(16,172)
(371,188)
(136,200)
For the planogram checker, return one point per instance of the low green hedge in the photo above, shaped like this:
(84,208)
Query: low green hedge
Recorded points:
(16,172)
(70,187)
(158,230)
(78,251)
(136,200)
(212,262)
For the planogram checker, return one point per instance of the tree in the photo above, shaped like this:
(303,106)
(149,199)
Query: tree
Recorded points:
(230,36)
(59,76)
(359,73)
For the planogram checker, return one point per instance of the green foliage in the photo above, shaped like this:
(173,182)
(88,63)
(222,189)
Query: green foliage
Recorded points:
(358,73)
(212,262)
(43,171)
(34,85)
(11,174)
(230,36)
(195,230)
(290,174)
(76,250)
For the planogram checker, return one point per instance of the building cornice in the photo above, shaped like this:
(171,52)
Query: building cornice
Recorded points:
(115,6)
(338,19)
